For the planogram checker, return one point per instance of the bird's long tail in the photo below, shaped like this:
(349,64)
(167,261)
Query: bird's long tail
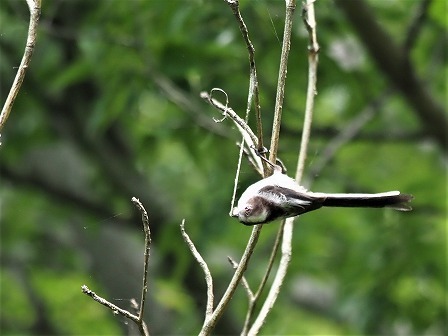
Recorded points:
(390,199)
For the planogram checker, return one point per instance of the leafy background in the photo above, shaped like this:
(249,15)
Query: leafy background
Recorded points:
(109,110)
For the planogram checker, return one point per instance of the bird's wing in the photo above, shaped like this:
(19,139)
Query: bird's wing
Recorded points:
(293,202)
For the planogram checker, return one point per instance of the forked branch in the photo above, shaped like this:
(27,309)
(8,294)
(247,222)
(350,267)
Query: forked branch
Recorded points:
(137,319)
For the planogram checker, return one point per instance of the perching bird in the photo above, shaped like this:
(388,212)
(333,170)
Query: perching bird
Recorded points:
(279,196)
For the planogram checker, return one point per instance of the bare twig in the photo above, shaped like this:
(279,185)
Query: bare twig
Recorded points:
(253,299)
(86,290)
(278,280)
(278,239)
(137,319)
(253,87)
(247,134)
(228,111)
(246,286)
(203,264)
(253,95)
(211,322)
(290,7)
(313,49)
(310,23)
(34,8)
(147,230)
(416,26)
(244,139)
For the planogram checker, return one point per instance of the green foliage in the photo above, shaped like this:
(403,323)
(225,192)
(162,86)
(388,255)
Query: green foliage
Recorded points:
(70,312)
(109,110)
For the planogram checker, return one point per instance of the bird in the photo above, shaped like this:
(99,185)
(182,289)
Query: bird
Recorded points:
(279,196)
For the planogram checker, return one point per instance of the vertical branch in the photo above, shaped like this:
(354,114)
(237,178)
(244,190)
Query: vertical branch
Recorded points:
(253,299)
(137,319)
(313,49)
(253,86)
(147,230)
(34,8)
(278,280)
(310,23)
(290,7)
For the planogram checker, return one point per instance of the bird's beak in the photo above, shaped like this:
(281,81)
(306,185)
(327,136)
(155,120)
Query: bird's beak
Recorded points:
(234,212)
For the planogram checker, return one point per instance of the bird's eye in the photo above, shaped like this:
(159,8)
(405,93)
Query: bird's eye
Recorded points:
(247,210)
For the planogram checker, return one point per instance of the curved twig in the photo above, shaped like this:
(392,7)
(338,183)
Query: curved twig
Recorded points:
(34,8)
(203,264)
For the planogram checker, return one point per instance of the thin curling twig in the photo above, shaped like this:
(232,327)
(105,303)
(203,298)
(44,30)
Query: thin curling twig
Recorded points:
(228,111)
(203,264)
(34,8)
(247,134)
(244,137)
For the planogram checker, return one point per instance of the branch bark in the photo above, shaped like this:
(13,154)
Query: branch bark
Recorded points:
(137,319)
(287,225)
(34,7)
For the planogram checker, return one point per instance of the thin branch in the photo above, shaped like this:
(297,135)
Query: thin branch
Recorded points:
(248,136)
(229,112)
(34,8)
(416,26)
(137,319)
(203,264)
(244,282)
(253,87)
(253,299)
(227,296)
(250,298)
(147,230)
(244,139)
(278,240)
(310,23)
(278,280)
(290,7)
(313,49)
(253,95)
(86,290)
(237,176)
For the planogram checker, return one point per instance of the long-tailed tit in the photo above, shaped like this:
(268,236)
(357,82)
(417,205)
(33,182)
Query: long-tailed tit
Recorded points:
(279,196)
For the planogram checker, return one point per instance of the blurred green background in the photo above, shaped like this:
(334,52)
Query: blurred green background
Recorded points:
(110,109)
